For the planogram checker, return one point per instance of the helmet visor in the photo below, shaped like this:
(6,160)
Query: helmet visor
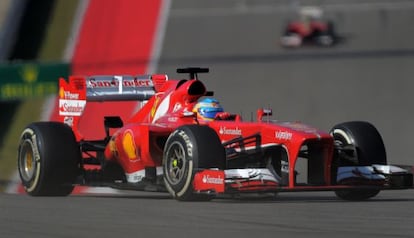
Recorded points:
(209,112)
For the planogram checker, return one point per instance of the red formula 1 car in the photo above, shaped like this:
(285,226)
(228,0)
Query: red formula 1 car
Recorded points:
(165,147)
(310,29)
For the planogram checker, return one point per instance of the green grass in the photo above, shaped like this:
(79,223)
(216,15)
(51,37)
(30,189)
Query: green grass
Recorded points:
(30,110)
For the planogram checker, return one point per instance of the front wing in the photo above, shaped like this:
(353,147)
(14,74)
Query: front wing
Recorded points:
(263,180)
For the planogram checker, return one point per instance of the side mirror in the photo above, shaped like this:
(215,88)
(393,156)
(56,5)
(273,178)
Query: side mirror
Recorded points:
(112,122)
(263,112)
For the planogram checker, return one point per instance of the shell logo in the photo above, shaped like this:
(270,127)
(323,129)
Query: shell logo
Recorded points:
(61,92)
(128,144)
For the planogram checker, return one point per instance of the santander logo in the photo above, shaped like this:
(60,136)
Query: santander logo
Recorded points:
(71,107)
(212,180)
(230,131)
(102,83)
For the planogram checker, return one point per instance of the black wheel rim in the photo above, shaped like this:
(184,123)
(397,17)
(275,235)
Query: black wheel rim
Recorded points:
(176,161)
(347,152)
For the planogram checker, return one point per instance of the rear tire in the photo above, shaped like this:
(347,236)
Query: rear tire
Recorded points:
(364,147)
(48,159)
(189,149)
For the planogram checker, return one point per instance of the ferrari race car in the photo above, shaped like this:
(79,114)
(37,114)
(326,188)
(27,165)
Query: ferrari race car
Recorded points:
(165,147)
(310,29)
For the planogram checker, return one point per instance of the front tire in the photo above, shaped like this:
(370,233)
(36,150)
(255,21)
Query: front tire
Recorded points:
(291,40)
(325,40)
(48,159)
(189,149)
(360,144)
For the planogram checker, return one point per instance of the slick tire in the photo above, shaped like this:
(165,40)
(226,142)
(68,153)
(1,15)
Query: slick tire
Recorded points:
(48,159)
(364,147)
(291,40)
(189,149)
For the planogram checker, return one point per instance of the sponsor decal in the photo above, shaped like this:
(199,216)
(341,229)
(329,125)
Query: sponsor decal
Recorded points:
(212,180)
(135,177)
(128,144)
(61,92)
(32,163)
(94,83)
(283,135)
(230,131)
(209,180)
(187,142)
(71,107)
(33,141)
(172,119)
(67,94)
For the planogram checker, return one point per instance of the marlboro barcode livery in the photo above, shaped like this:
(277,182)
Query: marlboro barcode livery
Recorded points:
(182,141)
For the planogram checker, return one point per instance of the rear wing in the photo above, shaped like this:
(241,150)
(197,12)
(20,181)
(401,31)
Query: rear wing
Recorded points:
(75,92)
(111,87)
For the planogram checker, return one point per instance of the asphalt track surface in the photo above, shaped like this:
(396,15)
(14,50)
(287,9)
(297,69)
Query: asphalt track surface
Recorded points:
(367,78)
(156,215)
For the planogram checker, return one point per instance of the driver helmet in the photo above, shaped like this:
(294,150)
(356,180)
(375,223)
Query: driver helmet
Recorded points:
(207,108)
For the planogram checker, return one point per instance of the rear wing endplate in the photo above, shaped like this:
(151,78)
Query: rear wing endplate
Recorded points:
(77,90)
